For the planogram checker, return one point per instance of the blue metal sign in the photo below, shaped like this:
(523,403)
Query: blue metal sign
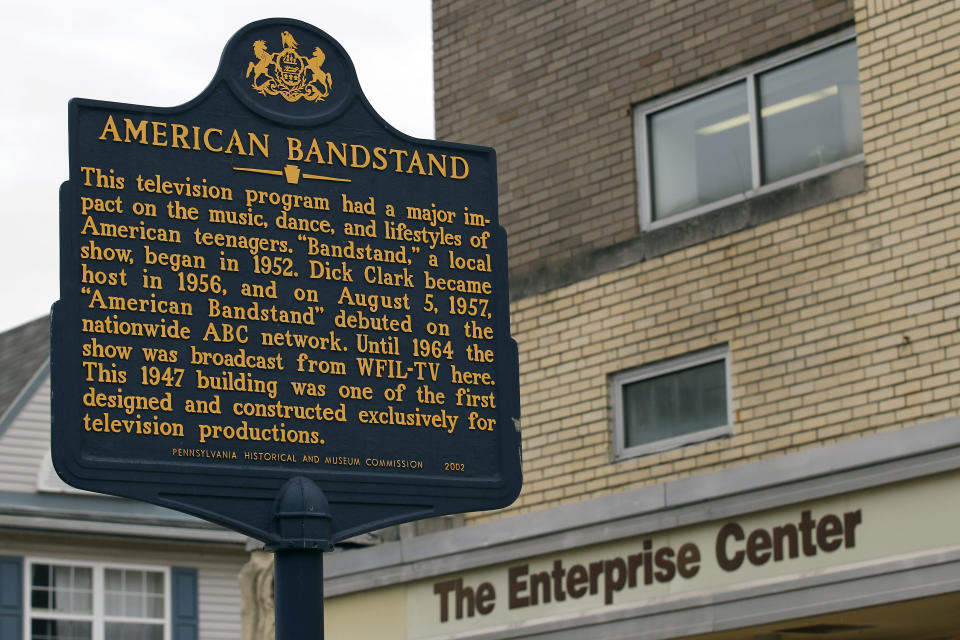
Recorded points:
(275,307)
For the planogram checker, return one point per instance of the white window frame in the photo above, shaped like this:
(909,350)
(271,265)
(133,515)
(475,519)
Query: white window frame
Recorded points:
(620,380)
(98,617)
(642,113)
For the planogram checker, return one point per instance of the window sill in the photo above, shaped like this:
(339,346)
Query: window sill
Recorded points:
(659,446)
(765,206)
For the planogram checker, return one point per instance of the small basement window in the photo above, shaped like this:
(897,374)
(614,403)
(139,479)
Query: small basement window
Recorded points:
(672,403)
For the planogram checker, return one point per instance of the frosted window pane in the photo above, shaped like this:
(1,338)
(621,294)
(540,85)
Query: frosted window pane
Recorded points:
(675,404)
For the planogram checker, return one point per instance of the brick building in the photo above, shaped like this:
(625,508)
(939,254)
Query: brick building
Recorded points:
(734,279)
(829,285)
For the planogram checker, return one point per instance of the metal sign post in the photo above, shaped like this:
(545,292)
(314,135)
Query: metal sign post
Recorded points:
(282,315)
(298,593)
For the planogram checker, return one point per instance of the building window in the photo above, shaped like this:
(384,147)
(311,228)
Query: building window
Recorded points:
(672,403)
(95,602)
(772,124)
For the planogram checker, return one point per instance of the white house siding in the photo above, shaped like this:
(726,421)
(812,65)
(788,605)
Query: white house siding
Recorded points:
(23,445)
(217,568)
(25,442)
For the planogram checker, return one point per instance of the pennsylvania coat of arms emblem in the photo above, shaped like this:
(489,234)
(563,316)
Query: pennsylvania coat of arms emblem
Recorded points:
(289,74)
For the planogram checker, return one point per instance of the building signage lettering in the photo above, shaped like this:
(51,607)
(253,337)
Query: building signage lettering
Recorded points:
(543,582)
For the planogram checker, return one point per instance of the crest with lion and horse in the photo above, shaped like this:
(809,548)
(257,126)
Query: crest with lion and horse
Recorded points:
(289,74)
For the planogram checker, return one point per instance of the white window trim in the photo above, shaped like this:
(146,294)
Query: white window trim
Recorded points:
(643,111)
(98,617)
(619,380)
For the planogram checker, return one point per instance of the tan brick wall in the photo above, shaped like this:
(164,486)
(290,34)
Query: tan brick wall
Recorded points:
(550,84)
(842,320)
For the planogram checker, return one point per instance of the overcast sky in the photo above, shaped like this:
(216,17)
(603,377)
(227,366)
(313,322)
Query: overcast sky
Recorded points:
(158,54)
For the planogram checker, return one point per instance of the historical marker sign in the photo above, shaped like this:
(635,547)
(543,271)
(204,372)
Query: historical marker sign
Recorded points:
(270,283)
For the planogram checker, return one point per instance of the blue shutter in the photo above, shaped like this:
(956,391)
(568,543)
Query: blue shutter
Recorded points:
(183,589)
(11,597)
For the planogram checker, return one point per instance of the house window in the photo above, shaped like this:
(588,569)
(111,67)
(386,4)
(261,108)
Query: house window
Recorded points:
(672,403)
(770,125)
(96,602)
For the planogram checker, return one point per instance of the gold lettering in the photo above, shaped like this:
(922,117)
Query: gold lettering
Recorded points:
(139,131)
(294,149)
(110,127)
(340,152)
(180,136)
(235,143)
(206,139)
(314,153)
(159,134)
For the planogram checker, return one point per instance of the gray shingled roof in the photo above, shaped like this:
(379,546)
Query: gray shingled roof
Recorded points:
(23,350)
